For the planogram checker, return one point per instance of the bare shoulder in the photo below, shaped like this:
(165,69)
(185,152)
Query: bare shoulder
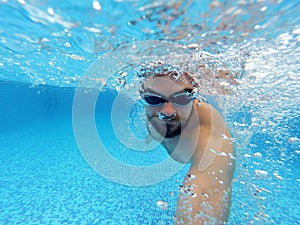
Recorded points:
(206,191)
(215,146)
(208,114)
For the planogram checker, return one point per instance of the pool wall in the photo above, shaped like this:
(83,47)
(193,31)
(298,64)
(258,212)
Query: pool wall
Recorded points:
(22,104)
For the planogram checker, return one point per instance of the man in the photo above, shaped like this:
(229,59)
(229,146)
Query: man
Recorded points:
(192,132)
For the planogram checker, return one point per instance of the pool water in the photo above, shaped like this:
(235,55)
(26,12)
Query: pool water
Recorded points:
(45,180)
(47,47)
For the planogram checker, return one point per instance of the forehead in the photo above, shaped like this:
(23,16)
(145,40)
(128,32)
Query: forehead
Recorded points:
(166,84)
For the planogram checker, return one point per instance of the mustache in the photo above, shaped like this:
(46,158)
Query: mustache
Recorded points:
(162,127)
(164,116)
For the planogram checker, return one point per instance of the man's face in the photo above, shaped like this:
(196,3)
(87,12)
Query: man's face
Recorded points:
(169,105)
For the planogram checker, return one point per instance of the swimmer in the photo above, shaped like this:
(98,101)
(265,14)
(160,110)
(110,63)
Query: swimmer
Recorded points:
(192,132)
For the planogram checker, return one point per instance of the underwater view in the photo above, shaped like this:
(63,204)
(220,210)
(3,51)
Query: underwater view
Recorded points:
(74,127)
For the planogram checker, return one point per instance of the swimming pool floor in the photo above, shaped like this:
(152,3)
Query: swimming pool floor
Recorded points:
(45,180)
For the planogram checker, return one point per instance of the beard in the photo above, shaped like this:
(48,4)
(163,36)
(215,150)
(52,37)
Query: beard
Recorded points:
(173,131)
(165,129)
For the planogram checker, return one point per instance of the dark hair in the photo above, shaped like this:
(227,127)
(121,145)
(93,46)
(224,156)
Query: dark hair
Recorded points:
(162,71)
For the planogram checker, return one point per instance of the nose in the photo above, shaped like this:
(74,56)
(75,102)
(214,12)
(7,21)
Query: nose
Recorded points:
(167,111)
(167,108)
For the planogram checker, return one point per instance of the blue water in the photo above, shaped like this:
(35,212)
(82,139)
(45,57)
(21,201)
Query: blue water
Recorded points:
(47,47)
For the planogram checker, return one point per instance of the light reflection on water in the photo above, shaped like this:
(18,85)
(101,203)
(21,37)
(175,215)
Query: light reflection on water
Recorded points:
(45,42)
(54,43)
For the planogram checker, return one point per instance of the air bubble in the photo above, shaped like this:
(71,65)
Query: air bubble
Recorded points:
(256,27)
(231,156)
(296,31)
(96,5)
(67,44)
(193,177)
(263,8)
(294,140)
(222,154)
(22,2)
(205,195)
(266,190)
(162,205)
(212,150)
(131,23)
(124,74)
(257,155)
(50,11)
(194,45)
(277,176)
(261,173)
(225,137)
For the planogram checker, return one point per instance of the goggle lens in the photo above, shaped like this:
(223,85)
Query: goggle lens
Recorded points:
(154,100)
(181,99)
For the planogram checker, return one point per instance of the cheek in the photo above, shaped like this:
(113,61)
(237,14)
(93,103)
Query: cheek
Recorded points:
(150,111)
(184,113)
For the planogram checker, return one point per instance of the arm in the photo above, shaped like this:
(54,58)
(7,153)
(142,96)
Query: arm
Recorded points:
(205,195)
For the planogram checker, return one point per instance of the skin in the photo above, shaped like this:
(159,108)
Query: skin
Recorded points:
(204,142)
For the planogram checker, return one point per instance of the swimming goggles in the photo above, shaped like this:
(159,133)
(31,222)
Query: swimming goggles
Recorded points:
(178,99)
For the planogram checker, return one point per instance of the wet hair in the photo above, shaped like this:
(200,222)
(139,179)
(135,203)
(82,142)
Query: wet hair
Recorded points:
(174,74)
